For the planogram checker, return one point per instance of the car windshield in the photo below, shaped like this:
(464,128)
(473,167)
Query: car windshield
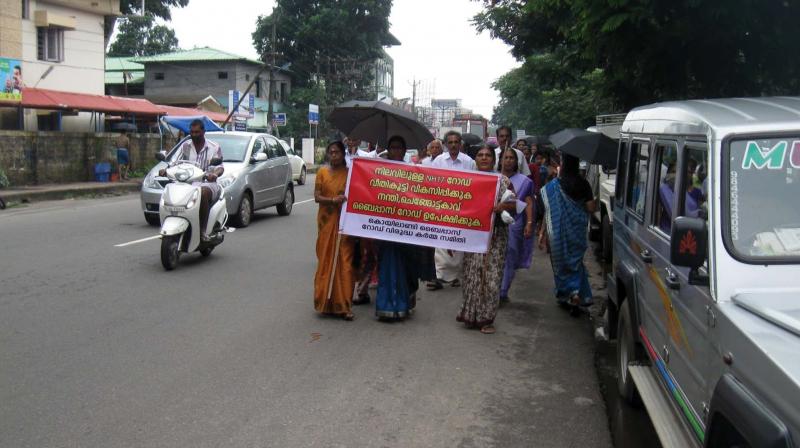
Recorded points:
(764,185)
(234,147)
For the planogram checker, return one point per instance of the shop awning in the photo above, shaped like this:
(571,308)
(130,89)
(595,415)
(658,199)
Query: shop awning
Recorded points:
(33,98)
(188,111)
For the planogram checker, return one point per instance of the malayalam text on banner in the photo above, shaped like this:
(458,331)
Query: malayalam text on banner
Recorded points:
(420,205)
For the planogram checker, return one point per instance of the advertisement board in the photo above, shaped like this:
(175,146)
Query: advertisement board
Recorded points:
(247,108)
(313,114)
(420,205)
(11,79)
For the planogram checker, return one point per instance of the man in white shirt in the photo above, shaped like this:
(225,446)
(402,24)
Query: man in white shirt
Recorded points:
(448,262)
(454,159)
(504,141)
(434,151)
(353,151)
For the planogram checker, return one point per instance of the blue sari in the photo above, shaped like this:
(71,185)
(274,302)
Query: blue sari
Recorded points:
(566,228)
(397,280)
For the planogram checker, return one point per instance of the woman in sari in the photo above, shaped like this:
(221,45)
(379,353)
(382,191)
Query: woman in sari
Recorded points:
(520,232)
(482,273)
(568,201)
(397,264)
(333,296)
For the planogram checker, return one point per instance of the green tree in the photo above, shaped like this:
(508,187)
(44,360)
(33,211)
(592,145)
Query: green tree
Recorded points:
(653,50)
(331,47)
(155,8)
(140,36)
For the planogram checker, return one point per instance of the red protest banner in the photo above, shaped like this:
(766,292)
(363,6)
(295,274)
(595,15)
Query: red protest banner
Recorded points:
(420,205)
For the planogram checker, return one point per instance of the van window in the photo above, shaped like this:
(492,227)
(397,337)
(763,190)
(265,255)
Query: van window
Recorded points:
(637,177)
(667,154)
(622,170)
(695,183)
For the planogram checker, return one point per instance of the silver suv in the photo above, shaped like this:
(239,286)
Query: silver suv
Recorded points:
(705,289)
(257,175)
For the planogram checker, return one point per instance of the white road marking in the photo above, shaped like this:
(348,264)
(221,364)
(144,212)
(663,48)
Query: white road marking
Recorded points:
(138,241)
(303,202)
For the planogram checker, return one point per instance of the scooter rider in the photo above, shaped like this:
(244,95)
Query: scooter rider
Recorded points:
(198,149)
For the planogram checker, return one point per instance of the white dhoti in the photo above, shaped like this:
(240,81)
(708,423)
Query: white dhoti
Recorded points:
(448,267)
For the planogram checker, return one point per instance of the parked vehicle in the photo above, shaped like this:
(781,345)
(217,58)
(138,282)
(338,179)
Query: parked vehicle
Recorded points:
(603,182)
(704,289)
(257,175)
(180,214)
(297,163)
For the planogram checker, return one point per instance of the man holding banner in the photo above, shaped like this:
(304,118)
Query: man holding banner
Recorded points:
(448,262)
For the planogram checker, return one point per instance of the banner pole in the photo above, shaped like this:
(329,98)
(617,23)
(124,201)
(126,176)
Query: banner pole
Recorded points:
(333,266)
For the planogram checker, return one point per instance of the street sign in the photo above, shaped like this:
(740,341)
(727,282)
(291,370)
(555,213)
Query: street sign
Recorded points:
(247,108)
(313,114)
(240,125)
(279,119)
(521,133)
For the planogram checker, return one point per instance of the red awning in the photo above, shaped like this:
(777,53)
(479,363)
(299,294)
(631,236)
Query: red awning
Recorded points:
(33,98)
(189,111)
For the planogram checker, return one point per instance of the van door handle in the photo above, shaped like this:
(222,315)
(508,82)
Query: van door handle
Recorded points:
(646,256)
(672,280)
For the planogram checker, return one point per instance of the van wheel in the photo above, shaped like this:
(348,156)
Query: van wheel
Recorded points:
(285,207)
(245,212)
(608,238)
(153,220)
(302,179)
(627,351)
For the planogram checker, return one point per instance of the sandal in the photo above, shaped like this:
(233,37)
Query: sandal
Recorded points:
(455,283)
(349,317)
(433,286)
(488,329)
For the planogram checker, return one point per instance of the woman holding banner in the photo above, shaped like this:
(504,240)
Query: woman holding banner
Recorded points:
(568,201)
(335,279)
(520,232)
(397,264)
(482,273)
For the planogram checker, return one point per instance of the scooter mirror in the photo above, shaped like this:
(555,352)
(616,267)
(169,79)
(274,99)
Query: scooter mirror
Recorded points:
(160,156)
(216,161)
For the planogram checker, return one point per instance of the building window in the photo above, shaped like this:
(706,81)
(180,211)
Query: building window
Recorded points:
(283,92)
(158,76)
(26,9)
(222,75)
(247,76)
(50,44)
(258,88)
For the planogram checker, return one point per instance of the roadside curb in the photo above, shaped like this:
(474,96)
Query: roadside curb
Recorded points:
(57,192)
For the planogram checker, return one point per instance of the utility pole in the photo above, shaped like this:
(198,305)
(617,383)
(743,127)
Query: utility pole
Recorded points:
(271,89)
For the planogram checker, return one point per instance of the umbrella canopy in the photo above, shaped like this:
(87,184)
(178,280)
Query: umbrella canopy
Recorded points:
(376,121)
(593,147)
(536,139)
(471,139)
(182,123)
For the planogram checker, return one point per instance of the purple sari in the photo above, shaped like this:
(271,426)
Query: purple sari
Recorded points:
(520,250)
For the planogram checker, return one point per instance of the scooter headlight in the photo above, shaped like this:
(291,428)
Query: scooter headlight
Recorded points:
(193,200)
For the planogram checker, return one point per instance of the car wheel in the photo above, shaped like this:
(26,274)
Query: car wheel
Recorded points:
(245,212)
(152,219)
(169,252)
(627,351)
(285,207)
(607,240)
(302,179)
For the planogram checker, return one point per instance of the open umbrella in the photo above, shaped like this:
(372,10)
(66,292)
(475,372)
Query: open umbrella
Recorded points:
(471,139)
(593,147)
(376,121)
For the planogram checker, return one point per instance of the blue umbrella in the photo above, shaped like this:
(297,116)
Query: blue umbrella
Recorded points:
(182,123)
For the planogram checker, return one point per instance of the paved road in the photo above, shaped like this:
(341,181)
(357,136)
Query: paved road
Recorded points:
(100,347)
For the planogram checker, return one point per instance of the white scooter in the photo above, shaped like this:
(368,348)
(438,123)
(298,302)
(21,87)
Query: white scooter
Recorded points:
(180,214)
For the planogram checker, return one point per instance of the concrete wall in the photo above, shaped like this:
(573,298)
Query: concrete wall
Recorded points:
(10,29)
(33,158)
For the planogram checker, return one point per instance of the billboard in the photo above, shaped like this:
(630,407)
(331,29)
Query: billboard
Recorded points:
(247,108)
(313,114)
(11,79)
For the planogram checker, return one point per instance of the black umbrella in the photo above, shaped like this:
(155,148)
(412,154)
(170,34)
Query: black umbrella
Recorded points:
(471,139)
(376,121)
(594,147)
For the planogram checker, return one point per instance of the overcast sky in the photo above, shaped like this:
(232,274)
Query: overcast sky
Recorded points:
(439,45)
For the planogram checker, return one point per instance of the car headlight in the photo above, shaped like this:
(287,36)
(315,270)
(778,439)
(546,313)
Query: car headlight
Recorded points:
(151,182)
(227,181)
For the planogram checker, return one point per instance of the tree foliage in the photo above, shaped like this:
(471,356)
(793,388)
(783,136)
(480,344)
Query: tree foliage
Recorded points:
(331,47)
(140,36)
(155,8)
(653,50)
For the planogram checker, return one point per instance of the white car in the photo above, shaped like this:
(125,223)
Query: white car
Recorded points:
(297,162)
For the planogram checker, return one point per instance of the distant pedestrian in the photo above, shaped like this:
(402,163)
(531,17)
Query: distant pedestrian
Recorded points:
(123,144)
(334,252)
(568,201)
(482,273)
(504,141)
(353,150)
(521,231)
(433,151)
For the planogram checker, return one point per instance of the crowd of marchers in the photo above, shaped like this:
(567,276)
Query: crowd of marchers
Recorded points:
(557,202)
